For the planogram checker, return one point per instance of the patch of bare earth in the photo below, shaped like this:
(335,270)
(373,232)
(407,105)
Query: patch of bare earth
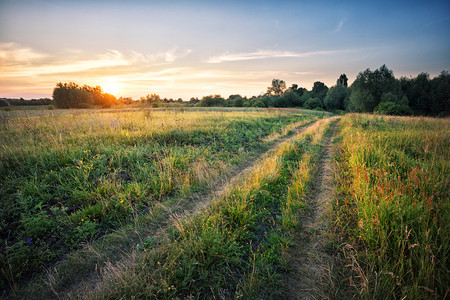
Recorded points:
(310,262)
(111,265)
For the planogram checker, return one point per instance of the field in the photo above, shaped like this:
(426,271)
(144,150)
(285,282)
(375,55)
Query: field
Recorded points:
(210,203)
(393,175)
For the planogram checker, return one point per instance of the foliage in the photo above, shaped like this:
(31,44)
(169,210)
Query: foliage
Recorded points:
(153,100)
(235,248)
(313,103)
(210,101)
(393,214)
(342,81)
(278,87)
(319,90)
(394,109)
(71,95)
(336,98)
(69,177)
(369,86)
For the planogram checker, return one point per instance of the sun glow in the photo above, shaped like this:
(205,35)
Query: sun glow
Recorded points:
(111,87)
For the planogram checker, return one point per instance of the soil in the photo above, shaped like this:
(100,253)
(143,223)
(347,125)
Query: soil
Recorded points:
(311,264)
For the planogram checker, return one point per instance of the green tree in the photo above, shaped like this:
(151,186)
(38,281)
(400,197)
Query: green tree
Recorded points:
(212,100)
(153,100)
(440,95)
(313,103)
(336,98)
(235,100)
(278,87)
(369,86)
(319,90)
(342,80)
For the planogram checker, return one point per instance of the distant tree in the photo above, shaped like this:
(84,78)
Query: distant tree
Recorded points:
(298,90)
(278,87)
(212,100)
(235,100)
(152,99)
(313,103)
(336,98)
(292,98)
(369,86)
(440,95)
(395,109)
(342,80)
(71,95)
(319,90)
(4,102)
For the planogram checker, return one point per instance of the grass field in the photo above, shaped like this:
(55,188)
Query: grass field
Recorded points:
(208,203)
(68,177)
(394,211)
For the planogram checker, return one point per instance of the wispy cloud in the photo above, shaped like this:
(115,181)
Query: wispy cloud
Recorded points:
(265,54)
(13,53)
(339,26)
(20,61)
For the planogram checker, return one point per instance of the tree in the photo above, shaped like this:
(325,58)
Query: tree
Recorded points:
(319,90)
(395,109)
(294,88)
(152,99)
(369,86)
(440,95)
(292,98)
(278,87)
(212,100)
(342,80)
(336,98)
(235,100)
(71,95)
(313,103)
(418,92)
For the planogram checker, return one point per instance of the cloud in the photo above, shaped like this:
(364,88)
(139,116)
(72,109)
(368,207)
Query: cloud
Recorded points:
(338,27)
(265,54)
(13,53)
(20,61)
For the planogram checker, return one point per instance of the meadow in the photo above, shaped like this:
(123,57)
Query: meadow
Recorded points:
(393,213)
(208,203)
(71,176)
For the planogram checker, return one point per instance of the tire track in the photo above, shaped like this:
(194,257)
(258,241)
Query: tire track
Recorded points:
(311,264)
(109,264)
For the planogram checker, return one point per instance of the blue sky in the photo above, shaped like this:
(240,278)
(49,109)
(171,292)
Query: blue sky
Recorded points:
(197,48)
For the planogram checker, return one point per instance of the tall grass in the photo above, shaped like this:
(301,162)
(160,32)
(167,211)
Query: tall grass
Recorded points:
(234,248)
(69,176)
(394,212)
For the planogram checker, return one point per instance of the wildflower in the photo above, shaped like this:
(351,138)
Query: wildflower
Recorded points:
(29,240)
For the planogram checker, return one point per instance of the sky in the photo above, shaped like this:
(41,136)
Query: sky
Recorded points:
(187,49)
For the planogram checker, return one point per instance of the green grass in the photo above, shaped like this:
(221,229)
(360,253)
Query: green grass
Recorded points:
(68,177)
(235,248)
(394,211)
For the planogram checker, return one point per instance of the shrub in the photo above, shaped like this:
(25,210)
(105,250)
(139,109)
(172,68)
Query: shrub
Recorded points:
(391,108)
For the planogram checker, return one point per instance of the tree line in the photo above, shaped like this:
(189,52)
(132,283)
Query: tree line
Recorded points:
(23,102)
(72,95)
(372,91)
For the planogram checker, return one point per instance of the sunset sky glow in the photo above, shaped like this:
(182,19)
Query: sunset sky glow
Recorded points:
(196,48)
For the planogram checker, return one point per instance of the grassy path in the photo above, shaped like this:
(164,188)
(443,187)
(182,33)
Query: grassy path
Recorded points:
(84,271)
(311,264)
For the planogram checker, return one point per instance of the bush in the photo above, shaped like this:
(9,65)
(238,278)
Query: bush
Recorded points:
(391,108)
(313,103)
(3,102)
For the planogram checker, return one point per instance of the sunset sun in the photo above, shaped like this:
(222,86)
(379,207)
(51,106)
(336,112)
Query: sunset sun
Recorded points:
(111,87)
